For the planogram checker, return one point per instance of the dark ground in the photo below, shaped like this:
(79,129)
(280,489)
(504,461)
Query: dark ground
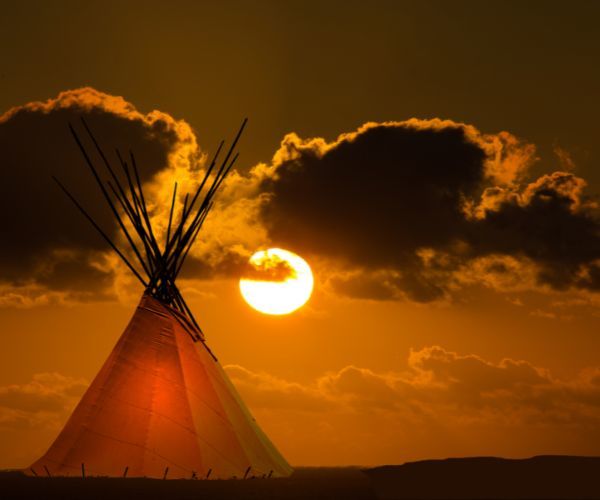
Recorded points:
(547,477)
(543,477)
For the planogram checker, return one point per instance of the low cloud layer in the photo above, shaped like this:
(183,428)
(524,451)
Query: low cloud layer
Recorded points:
(32,414)
(438,403)
(443,398)
(44,401)
(438,383)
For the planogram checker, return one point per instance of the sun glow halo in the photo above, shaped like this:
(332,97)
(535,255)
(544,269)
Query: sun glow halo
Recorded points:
(286,283)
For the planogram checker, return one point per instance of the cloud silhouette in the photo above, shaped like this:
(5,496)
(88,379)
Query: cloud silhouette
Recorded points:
(438,383)
(440,398)
(405,208)
(45,241)
(44,400)
(416,209)
(437,400)
(551,223)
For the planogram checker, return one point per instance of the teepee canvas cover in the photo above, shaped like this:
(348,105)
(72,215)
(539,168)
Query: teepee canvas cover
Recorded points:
(161,400)
(162,406)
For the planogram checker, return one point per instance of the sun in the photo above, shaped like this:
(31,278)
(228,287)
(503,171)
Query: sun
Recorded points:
(277,281)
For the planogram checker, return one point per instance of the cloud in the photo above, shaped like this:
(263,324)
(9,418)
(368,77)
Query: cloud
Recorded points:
(549,222)
(500,272)
(270,268)
(411,209)
(374,196)
(233,231)
(471,381)
(438,403)
(373,285)
(565,159)
(442,403)
(44,401)
(266,391)
(45,241)
(34,295)
(437,381)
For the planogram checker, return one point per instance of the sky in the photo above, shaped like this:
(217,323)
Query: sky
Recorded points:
(435,163)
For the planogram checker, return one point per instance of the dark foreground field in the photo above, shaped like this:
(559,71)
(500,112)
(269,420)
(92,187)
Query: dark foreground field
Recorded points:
(544,477)
(467,478)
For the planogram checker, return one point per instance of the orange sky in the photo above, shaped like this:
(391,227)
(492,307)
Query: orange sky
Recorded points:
(487,359)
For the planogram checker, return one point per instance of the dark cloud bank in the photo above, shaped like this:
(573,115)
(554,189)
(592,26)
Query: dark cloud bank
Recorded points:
(411,204)
(400,209)
(44,239)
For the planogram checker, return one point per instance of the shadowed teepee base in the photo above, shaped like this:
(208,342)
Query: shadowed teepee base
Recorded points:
(161,400)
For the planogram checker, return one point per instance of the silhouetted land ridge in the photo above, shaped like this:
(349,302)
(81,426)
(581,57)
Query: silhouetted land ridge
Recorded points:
(544,477)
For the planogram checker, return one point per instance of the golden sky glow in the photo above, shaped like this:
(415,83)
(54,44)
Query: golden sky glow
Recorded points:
(455,308)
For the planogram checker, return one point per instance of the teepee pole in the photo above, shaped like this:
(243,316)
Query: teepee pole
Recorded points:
(101,185)
(220,176)
(102,233)
(205,178)
(187,309)
(187,212)
(134,196)
(105,160)
(171,214)
(143,205)
(183,218)
(178,264)
(202,210)
(173,246)
(197,223)
(161,267)
(145,265)
(138,224)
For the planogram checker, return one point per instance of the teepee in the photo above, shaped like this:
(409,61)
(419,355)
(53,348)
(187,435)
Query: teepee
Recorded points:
(161,405)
